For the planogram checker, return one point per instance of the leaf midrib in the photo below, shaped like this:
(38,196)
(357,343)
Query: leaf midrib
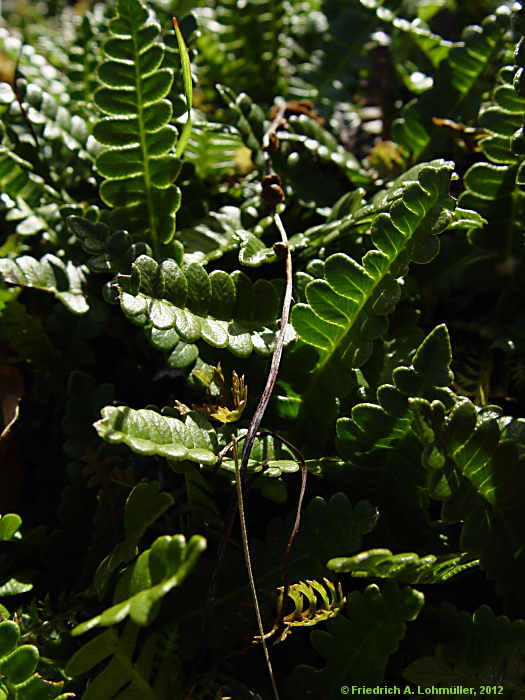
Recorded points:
(143,147)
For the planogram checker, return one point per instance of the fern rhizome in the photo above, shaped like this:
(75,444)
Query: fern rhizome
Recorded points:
(262,349)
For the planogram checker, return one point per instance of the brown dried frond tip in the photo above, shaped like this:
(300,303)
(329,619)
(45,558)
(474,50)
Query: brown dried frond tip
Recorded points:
(272,190)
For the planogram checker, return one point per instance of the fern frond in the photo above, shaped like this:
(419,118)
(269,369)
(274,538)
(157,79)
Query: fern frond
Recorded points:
(85,54)
(381,425)
(34,190)
(249,120)
(129,673)
(18,663)
(138,166)
(494,187)
(26,199)
(268,457)
(216,235)
(348,309)
(476,471)
(326,526)
(352,215)
(214,149)
(458,85)
(471,464)
(66,135)
(338,305)
(406,568)
(147,432)
(109,251)
(142,586)
(65,281)
(472,649)
(224,310)
(144,505)
(319,142)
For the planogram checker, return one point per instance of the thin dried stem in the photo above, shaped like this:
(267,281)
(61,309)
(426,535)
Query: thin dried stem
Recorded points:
(284,251)
(247,561)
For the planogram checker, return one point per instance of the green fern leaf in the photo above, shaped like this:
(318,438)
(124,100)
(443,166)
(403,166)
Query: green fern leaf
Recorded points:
(84,55)
(109,252)
(459,78)
(216,235)
(144,505)
(334,319)
(26,199)
(320,142)
(129,674)
(471,650)
(49,274)
(186,304)
(351,216)
(249,119)
(269,457)
(18,663)
(405,568)
(376,426)
(148,432)
(349,308)
(476,471)
(138,165)
(494,187)
(214,149)
(143,585)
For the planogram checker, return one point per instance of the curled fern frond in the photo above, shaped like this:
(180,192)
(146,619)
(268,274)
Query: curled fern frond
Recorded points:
(323,601)
(249,120)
